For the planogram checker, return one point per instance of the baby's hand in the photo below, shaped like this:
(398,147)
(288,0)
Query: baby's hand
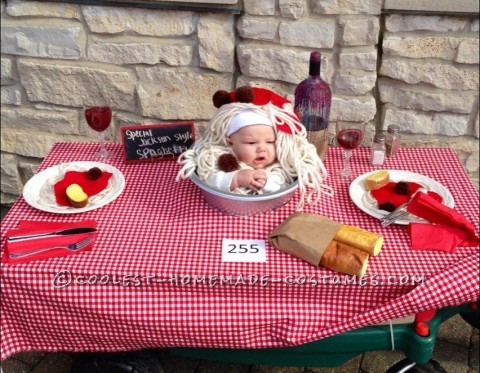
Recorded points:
(252,179)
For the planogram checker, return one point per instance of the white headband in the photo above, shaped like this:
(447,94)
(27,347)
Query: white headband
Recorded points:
(247,118)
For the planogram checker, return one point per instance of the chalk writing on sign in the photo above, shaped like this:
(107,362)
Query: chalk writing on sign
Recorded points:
(158,141)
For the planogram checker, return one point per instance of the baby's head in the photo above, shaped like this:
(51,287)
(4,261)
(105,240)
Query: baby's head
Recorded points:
(251,136)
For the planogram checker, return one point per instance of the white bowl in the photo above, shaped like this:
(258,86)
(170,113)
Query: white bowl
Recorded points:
(244,205)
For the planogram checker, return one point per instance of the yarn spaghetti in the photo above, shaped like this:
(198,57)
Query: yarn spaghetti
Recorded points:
(297,158)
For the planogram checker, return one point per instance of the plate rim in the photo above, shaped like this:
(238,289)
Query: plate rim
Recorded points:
(357,182)
(29,186)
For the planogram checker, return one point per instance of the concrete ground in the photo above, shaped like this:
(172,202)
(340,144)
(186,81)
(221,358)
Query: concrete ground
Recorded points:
(456,351)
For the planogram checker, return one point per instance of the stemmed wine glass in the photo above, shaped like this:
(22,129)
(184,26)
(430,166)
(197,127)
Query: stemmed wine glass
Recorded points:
(350,133)
(98,119)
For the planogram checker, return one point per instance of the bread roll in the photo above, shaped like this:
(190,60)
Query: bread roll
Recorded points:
(377,180)
(76,196)
(360,239)
(344,258)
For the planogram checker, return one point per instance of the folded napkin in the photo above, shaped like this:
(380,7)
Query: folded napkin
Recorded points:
(56,244)
(449,231)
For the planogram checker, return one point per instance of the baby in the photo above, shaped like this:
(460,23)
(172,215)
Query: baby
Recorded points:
(255,144)
(252,140)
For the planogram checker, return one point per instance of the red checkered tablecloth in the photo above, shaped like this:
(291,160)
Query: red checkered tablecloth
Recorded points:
(155,277)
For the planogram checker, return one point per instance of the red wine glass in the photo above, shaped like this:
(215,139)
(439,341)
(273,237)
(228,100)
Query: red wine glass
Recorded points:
(98,119)
(350,133)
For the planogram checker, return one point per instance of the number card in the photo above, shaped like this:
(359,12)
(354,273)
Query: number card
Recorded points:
(251,251)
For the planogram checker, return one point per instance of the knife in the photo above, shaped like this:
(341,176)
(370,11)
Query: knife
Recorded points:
(64,232)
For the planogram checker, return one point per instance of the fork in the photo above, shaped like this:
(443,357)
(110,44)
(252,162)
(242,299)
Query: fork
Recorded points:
(72,247)
(397,213)
(386,222)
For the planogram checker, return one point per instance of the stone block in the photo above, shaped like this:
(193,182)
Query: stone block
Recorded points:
(443,76)
(475,25)
(11,95)
(54,83)
(452,358)
(216,42)
(22,8)
(455,330)
(350,84)
(128,50)
(359,30)
(476,131)
(34,144)
(259,7)
(27,169)
(468,51)
(347,7)
(14,365)
(284,89)
(63,122)
(364,106)
(474,351)
(284,64)
(152,22)
(55,40)
(293,8)
(418,122)
(9,180)
(362,59)
(403,23)
(376,361)
(179,93)
(7,76)
(308,34)
(251,28)
(459,49)
(352,365)
(7,141)
(426,99)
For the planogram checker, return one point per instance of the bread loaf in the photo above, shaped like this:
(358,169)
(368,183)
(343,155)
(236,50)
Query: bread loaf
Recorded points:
(344,258)
(76,196)
(360,238)
(377,180)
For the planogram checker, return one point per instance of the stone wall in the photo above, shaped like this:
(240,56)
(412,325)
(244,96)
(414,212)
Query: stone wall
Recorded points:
(160,65)
(429,80)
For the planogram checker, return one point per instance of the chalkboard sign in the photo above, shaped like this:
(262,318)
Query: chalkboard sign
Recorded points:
(163,141)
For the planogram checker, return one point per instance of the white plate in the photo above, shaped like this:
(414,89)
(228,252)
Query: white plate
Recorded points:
(357,193)
(31,190)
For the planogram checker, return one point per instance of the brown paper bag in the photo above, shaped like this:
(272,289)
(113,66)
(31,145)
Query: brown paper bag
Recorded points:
(305,236)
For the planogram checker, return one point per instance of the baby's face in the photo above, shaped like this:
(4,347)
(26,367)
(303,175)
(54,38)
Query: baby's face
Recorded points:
(254,145)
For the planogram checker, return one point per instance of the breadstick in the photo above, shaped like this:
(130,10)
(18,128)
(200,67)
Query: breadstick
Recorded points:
(360,238)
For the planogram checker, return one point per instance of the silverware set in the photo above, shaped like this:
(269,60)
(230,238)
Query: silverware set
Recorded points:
(399,212)
(72,247)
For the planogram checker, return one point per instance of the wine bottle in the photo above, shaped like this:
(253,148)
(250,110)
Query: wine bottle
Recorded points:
(313,99)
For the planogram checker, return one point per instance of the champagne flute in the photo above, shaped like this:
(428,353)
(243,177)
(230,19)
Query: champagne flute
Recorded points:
(350,133)
(99,119)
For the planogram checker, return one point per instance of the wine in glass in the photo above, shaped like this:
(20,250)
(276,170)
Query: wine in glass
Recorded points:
(98,119)
(350,133)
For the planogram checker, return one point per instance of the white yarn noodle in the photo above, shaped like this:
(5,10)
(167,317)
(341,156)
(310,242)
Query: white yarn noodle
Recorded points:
(297,157)
(46,196)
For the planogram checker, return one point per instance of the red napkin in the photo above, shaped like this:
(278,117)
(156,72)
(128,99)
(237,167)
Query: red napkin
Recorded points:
(451,228)
(26,227)
(90,187)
